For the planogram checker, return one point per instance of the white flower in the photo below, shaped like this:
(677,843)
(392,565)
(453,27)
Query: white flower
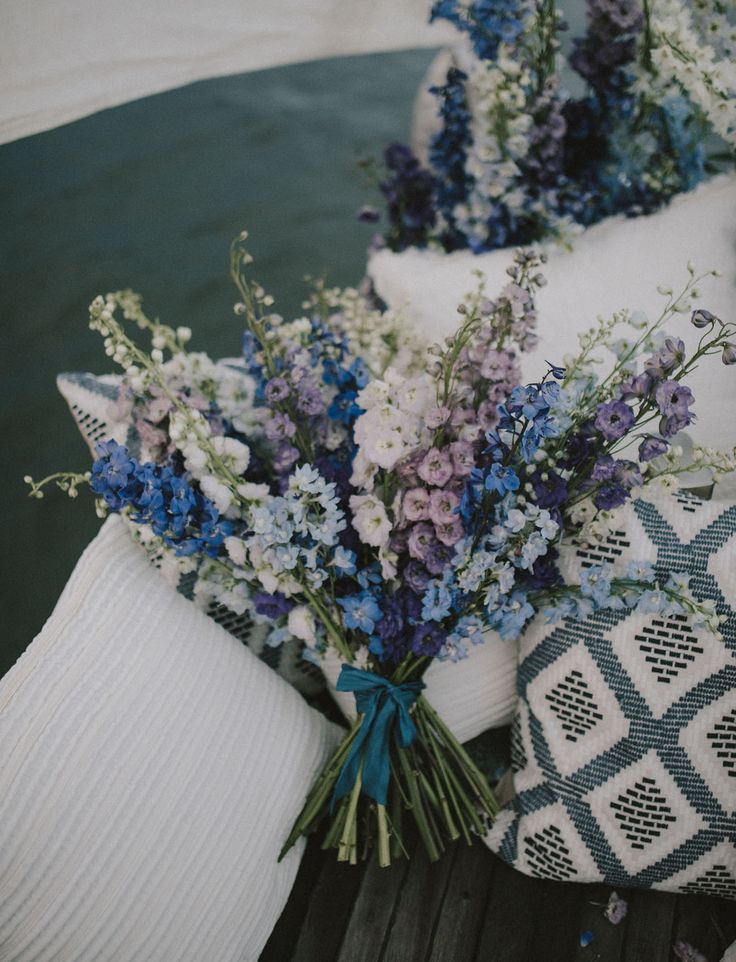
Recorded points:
(217,492)
(302,625)
(370,520)
(364,471)
(235,548)
(233,453)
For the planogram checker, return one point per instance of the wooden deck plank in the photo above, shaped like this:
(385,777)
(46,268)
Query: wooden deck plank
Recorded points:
(528,919)
(608,939)
(418,906)
(373,913)
(329,911)
(285,935)
(650,925)
(462,911)
(708,924)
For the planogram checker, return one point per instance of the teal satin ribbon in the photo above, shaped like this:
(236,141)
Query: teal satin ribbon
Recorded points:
(382,705)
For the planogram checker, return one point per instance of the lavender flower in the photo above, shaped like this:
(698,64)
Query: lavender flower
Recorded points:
(614,419)
(652,447)
(416,504)
(435,468)
(280,427)
(310,400)
(416,576)
(443,506)
(276,390)
(702,318)
(616,909)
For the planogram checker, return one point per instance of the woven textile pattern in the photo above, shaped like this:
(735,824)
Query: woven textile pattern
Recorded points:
(94,406)
(624,741)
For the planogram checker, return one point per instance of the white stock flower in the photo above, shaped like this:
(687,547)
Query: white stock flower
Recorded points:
(302,625)
(370,520)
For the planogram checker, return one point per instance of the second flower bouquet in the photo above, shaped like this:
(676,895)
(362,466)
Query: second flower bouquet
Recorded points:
(350,487)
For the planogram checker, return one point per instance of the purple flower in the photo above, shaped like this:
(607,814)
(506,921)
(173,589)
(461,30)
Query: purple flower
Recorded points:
(420,541)
(442,506)
(610,496)
(501,479)
(463,459)
(666,358)
(652,447)
(438,557)
(276,390)
(729,353)
(435,468)
(702,318)
(427,640)
(436,417)
(550,493)
(450,532)
(687,953)
(616,909)
(407,469)
(614,419)
(488,417)
(637,387)
(416,504)
(285,457)
(272,605)
(310,400)
(416,576)
(280,427)
(673,399)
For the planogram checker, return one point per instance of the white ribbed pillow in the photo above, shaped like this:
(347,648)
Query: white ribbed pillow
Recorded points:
(471,695)
(151,768)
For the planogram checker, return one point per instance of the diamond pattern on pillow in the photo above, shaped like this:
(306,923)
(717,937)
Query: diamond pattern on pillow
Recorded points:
(624,743)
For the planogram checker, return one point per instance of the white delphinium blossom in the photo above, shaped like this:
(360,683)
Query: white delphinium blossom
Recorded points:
(683,61)
(370,520)
(499,128)
(393,423)
(302,625)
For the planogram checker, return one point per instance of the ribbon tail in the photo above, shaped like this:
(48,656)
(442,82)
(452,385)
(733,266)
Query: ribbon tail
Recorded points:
(376,762)
(351,765)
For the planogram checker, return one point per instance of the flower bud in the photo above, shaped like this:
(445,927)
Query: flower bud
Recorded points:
(729,353)
(701,318)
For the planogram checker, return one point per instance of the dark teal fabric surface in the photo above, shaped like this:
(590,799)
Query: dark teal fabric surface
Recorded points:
(148,196)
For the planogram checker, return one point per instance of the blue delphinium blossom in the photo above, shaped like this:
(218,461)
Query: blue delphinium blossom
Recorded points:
(448,153)
(501,479)
(488,23)
(176,511)
(410,192)
(360,611)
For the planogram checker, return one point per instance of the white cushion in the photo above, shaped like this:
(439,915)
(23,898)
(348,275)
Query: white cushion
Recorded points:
(617,263)
(151,769)
(624,742)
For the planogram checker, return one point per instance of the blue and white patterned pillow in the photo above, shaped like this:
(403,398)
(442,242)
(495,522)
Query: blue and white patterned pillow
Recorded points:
(93,402)
(624,741)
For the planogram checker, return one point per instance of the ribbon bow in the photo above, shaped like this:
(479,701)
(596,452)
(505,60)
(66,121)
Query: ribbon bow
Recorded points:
(381,703)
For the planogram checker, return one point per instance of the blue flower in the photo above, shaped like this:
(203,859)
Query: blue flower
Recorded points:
(360,611)
(343,560)
(501,479)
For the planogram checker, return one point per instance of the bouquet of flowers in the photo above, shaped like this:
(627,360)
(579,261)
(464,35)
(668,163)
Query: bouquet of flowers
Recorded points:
(517,158)
(352,488)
